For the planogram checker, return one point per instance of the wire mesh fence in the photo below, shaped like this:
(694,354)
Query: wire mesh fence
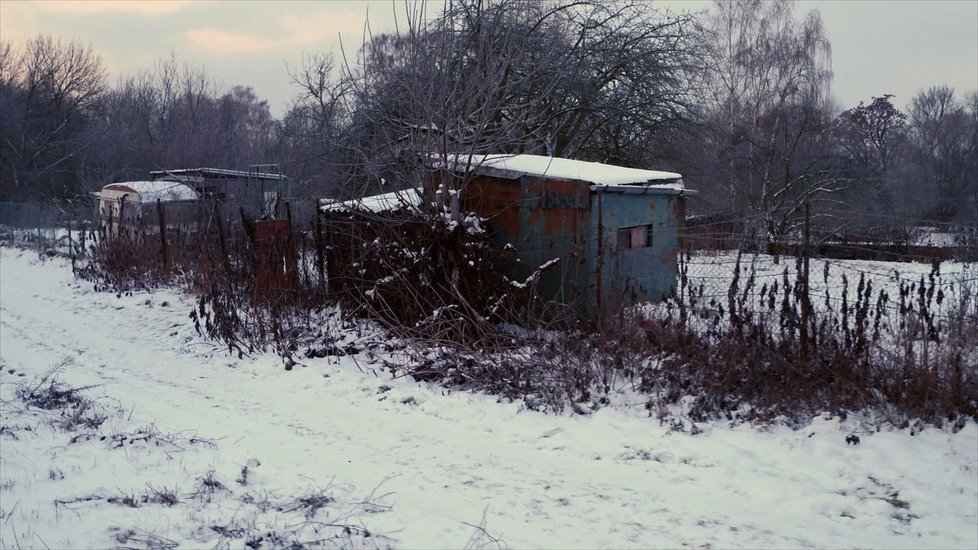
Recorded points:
(63,227)
(922,272)
(714,249)
(863,322)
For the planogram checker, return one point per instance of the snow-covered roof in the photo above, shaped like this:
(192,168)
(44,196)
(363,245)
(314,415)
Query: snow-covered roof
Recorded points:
(603,177)
(515,166)
(385,202)
(151,191)
(216,173)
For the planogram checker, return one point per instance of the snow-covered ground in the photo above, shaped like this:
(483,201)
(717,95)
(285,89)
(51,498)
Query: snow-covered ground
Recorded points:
(202,449)
(715,270)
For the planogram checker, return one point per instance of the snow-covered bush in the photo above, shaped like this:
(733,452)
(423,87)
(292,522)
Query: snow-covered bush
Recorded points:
(422,275)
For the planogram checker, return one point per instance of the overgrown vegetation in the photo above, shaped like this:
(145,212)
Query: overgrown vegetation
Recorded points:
(764,346)
(752,350)
(900,364)
(76,411)
(423,277)
(215,259)
(769,348)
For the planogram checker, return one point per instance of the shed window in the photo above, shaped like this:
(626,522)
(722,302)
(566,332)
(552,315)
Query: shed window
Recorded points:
(639,236)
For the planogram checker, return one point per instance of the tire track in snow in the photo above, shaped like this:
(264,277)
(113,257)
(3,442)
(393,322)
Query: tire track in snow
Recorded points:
(123,347)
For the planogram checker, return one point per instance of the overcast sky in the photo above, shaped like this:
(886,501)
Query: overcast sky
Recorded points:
(878,47)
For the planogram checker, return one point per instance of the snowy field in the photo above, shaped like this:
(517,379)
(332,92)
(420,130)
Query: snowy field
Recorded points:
(185,446)
(834,283)
(713,271)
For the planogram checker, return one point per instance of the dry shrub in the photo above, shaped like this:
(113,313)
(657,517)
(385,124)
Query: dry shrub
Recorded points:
(549,370)
(914,356)
(422,276)
(75,410)
(133,257)
(214,257)
(920,363)
(251,303)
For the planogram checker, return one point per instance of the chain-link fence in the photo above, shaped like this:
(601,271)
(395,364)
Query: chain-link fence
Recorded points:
(818,318)
(929,274)
(66,227)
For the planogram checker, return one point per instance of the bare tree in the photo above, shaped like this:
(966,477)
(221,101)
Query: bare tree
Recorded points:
(606,82)
(944,132)
(871,142)
(172,115)
(49,89)
(871,134)
(157,118)
(312,129)
(9,66)
(626,83)
(768,95)
(448,89)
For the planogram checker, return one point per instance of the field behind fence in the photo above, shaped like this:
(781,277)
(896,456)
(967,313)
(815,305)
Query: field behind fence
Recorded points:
(790,332)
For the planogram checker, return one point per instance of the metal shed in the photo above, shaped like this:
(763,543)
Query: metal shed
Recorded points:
(131,203)
(615,231)
(258,190)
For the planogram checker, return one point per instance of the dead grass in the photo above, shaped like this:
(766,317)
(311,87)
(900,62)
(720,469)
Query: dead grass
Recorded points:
(75,411)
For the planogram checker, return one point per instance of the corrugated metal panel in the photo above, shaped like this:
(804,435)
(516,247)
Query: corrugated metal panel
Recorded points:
(546,219)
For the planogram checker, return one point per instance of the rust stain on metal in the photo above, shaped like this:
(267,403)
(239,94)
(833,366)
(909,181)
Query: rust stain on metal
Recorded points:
(678,208)
(489,198)
(275,262)
(560,194)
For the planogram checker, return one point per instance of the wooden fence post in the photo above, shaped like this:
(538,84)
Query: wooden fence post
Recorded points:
(320,253)
(71,222)
(159,210)
(222,240)
(292,266)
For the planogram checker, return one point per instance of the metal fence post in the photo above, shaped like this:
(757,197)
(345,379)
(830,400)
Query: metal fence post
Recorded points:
(805,290)
(320,253)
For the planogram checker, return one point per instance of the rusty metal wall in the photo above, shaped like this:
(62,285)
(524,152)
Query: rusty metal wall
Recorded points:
(276,269)
(548,219)
(544,220)
(624,276)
